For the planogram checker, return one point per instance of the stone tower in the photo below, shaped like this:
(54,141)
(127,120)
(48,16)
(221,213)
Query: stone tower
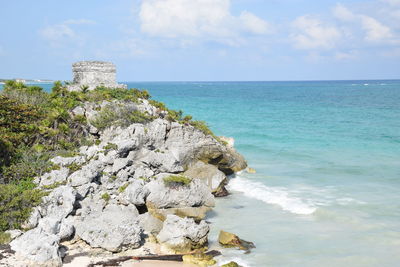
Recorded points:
(93,74)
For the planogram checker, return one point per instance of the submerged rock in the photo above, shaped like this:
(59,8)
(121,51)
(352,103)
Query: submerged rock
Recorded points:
(183,234)
(199,259)
(231,240)
(231,264)
(250,170)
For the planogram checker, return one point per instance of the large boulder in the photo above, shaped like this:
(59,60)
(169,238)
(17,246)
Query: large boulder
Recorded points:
(54,177)
(114,228)
(38,248)
(134,193)
(59,203)
(227,239)
(87,174)
(163,195)
(183,234)
(189,144)
(207,173)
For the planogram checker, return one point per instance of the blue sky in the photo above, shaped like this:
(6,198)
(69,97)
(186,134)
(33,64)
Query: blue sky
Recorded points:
(184,40)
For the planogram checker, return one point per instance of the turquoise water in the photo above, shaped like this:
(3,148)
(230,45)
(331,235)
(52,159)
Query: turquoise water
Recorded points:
(327,155)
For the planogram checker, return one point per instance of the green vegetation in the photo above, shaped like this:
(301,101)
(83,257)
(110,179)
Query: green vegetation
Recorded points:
(177,179)
(16,202)
(122,188)
(5,238)
(110,146)
(36,126)
(73,167)
(177,116)
(106,197)
(119,116)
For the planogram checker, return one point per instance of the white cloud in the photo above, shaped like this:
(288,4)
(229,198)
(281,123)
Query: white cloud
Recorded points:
(254,24)
(57,32)
(60,34)
(312,33)
(374,30)
(392,2)
(343,13)
(79,22)
(207,19)
(346,55)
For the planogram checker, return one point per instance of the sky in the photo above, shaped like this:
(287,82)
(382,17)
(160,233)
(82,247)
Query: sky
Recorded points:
(203,40)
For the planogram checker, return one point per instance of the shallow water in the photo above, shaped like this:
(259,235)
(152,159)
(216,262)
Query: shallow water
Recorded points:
(327,155)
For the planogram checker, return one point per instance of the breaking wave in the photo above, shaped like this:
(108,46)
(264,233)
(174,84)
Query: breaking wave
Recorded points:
(271,195)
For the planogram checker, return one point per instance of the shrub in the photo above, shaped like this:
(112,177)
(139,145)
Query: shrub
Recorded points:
(177,179)
(174,115)
(119,116)
(110,146)
(122,188)
(27,165)
(106,197)
(16,203)
(5,238)
(202,126)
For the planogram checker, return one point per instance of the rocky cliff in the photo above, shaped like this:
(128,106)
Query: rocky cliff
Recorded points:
(152,181)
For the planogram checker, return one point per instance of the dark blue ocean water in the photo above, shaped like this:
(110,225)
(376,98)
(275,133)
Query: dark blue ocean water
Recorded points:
(327,155)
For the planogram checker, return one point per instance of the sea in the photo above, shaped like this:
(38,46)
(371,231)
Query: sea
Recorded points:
(326,191)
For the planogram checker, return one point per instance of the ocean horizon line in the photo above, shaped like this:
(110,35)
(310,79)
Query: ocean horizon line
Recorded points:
(251,81)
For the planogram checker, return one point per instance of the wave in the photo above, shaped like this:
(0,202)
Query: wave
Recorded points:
(270,195)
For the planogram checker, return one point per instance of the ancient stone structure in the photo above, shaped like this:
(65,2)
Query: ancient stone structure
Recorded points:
(91,74)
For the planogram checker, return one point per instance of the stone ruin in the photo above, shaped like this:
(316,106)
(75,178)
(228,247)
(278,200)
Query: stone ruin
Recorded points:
(92,74)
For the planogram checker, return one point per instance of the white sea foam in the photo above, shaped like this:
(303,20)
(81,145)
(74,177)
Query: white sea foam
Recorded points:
(271,195)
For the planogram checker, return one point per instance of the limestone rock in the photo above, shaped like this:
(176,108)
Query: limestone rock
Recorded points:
(231,264)
(119,164)
(183,234)
(162,196)
(199,259)
(197,213)
(87,174)
(33,219)
(39,247)
(68,161)
(59,203)
(135,193)
(231,240)
(14,233)
(250,170)
(209,174)
(53,177)
(114,228)
(150,224)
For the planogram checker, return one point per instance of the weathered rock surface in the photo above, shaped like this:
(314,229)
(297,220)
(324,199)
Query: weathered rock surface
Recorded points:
(163,196)
(39,247)
(53,177)
(231,240)
(122,174)
(114,228)
(208,173)
(135,193)
(183,234)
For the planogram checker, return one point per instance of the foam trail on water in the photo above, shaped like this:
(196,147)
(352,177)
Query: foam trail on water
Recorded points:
(270,195)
